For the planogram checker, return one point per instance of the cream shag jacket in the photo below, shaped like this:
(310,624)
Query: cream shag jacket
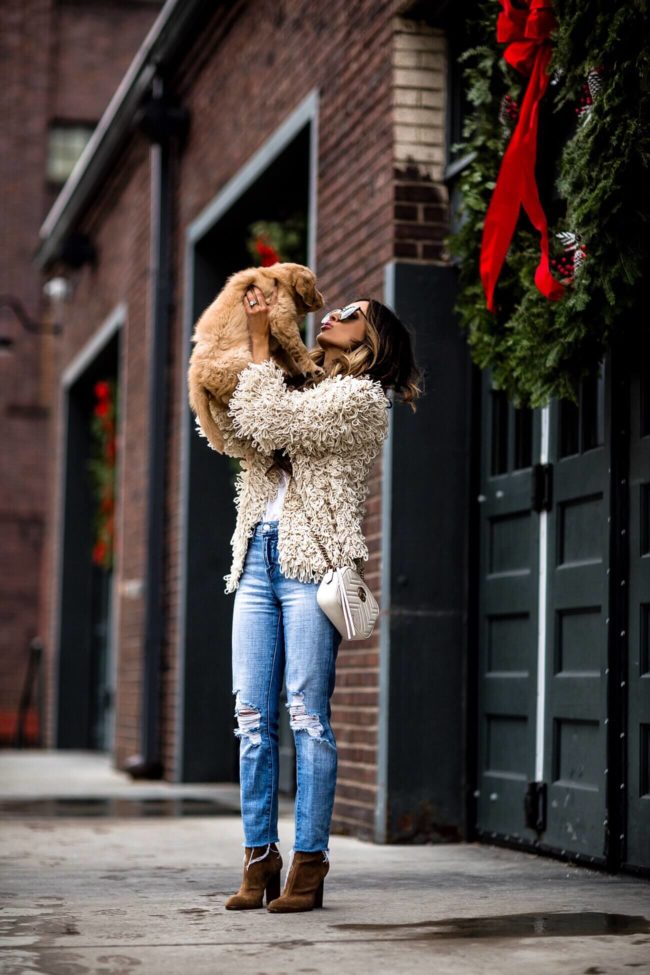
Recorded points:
(332,433)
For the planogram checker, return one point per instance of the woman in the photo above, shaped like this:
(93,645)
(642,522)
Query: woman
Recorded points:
(306,455)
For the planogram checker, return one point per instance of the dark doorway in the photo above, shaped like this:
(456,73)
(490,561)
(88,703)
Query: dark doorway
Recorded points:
(85,665)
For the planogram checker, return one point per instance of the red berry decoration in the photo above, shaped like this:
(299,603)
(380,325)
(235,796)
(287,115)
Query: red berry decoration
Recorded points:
(508,112)
(591,89)
(102,466)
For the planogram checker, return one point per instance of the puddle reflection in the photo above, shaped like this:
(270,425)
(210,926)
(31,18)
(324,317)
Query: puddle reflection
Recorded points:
(81,806)
(530,925)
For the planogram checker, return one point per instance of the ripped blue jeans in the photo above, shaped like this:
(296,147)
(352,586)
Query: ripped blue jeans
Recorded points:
(279,630)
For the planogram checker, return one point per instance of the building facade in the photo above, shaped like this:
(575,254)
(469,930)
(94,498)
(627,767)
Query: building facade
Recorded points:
(61,62)
(450,721)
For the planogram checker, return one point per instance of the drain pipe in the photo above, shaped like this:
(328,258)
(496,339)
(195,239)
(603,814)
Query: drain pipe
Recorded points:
(165,125)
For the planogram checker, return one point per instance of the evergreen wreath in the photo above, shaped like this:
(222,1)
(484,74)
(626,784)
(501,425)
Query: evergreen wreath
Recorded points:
(593,173)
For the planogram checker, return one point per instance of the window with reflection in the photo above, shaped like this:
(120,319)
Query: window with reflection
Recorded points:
(65,145)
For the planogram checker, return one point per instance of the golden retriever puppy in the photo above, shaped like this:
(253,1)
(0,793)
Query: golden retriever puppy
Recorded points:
(221,337)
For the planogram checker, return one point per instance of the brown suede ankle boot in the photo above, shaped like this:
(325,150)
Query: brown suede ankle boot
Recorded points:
(262,866)
(303,888)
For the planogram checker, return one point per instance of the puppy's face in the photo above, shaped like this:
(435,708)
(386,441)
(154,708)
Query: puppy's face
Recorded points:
(303,282)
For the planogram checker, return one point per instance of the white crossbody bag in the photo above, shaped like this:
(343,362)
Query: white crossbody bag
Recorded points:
(344,597)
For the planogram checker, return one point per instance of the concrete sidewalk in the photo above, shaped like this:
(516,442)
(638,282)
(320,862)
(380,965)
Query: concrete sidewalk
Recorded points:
(118,895)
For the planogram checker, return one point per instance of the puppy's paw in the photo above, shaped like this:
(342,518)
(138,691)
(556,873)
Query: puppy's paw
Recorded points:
(313,370)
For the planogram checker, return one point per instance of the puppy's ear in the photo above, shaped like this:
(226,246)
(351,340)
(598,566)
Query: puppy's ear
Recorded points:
(305,285)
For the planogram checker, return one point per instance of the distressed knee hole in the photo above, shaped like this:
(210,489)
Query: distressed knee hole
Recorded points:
(300,719)
(248,722)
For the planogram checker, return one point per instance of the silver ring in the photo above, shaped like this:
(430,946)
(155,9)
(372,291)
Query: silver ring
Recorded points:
(251,303)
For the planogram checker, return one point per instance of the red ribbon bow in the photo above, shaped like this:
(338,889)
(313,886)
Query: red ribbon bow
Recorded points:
(526,29)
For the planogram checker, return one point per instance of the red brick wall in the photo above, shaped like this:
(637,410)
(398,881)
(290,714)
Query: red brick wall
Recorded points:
(58,60)
(419,95)
(94,45)
(23,417)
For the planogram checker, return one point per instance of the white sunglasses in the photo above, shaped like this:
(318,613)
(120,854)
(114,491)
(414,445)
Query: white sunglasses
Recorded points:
(347,312)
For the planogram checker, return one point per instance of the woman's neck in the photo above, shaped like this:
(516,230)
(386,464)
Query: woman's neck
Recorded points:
(329,358)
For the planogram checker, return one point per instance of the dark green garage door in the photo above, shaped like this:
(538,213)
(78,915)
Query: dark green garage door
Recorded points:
(564,620)
(509,549)
(577,619)
(543,622)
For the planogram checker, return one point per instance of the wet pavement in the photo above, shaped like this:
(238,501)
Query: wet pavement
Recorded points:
(120,806)
(135,882)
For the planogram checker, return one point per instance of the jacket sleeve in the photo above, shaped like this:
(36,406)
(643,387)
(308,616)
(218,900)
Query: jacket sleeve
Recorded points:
(234,445)
(340,412)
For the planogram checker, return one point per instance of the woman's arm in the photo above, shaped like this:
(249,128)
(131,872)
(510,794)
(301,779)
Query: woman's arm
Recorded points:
(257,314)
(343,411)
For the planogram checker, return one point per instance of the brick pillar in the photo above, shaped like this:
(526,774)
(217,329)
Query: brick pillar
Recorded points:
(419,95)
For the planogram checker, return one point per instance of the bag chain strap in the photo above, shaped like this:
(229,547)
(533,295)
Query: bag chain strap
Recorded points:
(328,561)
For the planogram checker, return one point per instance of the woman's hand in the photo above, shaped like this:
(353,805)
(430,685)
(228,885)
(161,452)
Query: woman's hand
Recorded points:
(258,321)
(258,314)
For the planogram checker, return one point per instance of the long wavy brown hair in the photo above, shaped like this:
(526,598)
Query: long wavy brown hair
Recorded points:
(385,354)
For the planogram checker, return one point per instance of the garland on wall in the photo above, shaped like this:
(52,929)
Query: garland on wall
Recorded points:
(101,467)
(547,331)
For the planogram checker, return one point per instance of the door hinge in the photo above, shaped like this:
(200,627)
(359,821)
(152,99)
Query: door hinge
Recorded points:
(535,806)
(542,487)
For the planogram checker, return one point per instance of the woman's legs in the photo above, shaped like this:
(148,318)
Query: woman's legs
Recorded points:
(258,664)
(311,644)
(279,626)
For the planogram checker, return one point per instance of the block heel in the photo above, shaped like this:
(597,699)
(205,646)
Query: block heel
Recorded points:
(318,897)
(273,888)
